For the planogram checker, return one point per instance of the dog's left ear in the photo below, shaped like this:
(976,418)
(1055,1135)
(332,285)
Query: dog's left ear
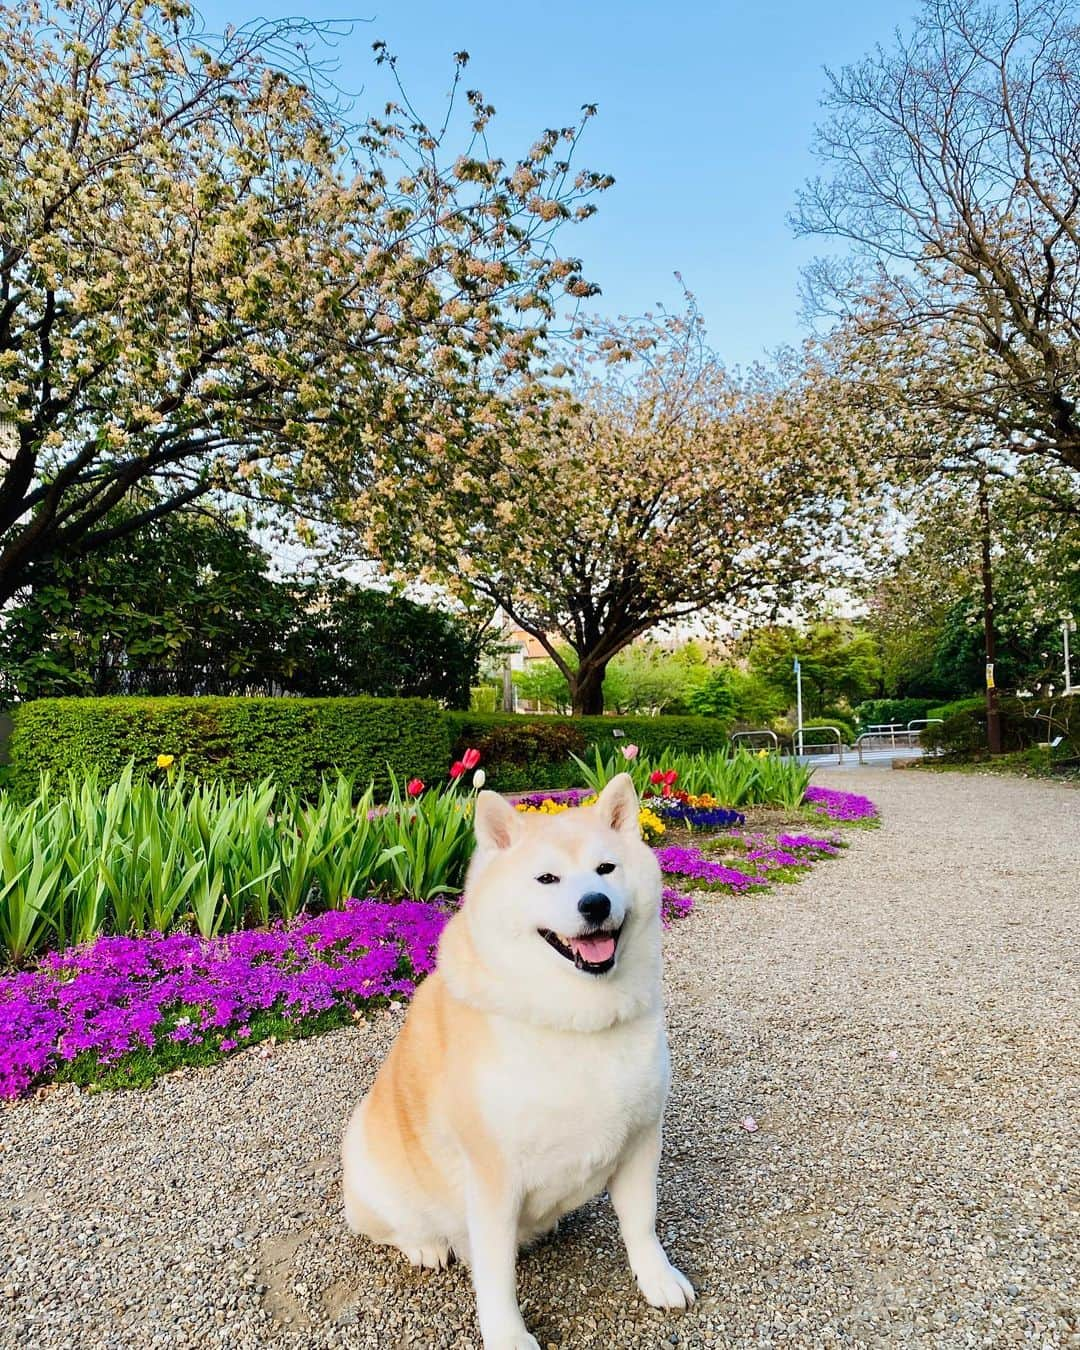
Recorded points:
(496,822)
(618,805)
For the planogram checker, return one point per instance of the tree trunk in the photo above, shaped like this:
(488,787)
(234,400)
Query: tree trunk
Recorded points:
(588,690)
(993,712)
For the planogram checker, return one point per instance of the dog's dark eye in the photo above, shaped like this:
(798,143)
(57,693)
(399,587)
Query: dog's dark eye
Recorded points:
(547,879)
(604,869)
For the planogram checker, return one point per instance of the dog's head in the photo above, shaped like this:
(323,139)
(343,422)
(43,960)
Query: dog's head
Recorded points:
(564,910)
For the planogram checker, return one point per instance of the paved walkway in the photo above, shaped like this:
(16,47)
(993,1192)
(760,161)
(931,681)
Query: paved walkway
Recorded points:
(903,1025)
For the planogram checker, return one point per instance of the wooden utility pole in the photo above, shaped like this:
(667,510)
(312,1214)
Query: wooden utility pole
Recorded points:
(993,712)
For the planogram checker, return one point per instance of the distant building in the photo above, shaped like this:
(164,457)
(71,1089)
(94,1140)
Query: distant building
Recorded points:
(526,647)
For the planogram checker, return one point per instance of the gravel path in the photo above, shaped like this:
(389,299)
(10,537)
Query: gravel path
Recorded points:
(903,1025)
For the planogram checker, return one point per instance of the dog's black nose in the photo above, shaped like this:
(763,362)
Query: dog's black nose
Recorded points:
(594,907)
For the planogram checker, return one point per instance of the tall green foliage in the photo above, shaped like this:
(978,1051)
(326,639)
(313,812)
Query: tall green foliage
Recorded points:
(839,663)
(137,856)
(186,606)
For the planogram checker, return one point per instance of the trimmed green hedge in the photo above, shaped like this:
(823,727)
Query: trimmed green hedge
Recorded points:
(298,740)
(537,769)
(240,740)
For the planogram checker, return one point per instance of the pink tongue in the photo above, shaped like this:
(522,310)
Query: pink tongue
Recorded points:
(600,947)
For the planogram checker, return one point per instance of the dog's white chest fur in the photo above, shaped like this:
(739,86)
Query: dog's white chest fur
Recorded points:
(564,1104)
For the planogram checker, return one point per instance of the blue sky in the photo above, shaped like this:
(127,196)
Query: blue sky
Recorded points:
(705,119)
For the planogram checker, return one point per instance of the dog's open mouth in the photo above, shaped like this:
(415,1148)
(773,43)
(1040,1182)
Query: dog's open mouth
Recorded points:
(592,952)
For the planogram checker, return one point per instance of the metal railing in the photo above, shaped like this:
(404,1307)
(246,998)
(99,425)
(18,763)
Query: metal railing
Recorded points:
(892,736)
(836,739)
(746,735)
(885,740)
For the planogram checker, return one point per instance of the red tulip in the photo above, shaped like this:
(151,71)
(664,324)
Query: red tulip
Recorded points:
(457,769)
(670,777)
(471,758)
(656,776)
(414,787)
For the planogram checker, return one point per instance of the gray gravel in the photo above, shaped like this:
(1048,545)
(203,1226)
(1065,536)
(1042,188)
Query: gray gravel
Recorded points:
(902,1025)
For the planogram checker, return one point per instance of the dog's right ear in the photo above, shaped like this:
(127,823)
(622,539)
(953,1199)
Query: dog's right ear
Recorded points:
(496,822)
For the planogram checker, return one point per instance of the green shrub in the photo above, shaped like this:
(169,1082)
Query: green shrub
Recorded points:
(963,733)
(883,711)
(786,730)
(958,705)
(843,718)
(523,753)
(294,741)
(653,735)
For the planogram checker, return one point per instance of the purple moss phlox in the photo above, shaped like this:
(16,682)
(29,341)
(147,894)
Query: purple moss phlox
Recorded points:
(674,905)
(838,805)
(120,993)
(810,842)
(676,860)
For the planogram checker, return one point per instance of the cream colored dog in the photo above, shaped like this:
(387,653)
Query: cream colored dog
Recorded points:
(532,1069)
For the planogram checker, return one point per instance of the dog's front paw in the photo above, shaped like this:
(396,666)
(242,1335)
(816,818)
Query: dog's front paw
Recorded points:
(432,1256)
(663,1285)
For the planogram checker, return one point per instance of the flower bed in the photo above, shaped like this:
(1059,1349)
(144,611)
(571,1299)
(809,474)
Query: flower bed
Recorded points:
(122,1010)
(119,995)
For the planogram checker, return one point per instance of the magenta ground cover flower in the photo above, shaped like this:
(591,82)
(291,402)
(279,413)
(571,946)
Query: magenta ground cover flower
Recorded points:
(839,805)
(808,841)
(121,993)
(676,860)
(674,905)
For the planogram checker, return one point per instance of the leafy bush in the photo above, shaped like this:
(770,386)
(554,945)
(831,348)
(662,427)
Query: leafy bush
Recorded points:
(963,733)
(653,735)
(883,711)
(716,695)
(837,717)
(786,731)
(295,742)
(484,698)
(520,753)
(959,705)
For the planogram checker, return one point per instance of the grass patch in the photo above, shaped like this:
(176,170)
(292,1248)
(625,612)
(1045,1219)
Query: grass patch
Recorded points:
(141,1068)
(1034,762)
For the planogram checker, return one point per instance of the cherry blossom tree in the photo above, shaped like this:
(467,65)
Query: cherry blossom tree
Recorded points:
(952,172)
(647,486)
(212,279)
